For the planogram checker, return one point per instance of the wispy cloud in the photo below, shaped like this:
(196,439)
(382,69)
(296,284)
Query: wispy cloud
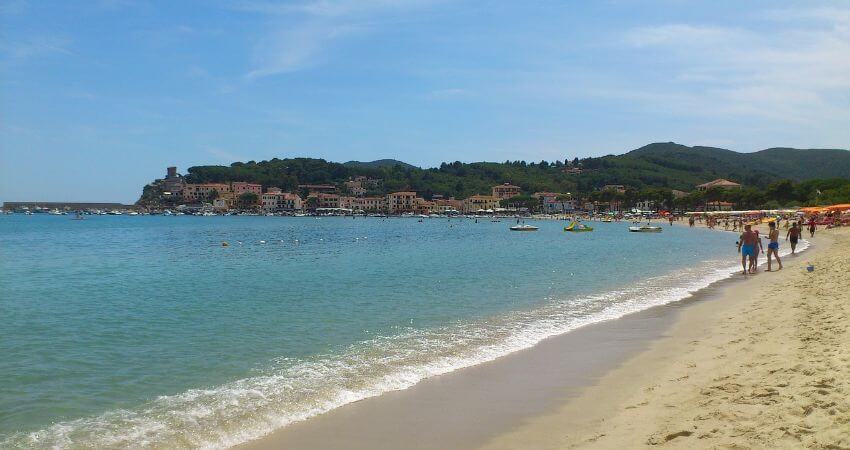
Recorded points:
(302,32)
(225,156)
(10,7)
(448,93)
(295,48)
(36,46)
(797,74)
(682,35)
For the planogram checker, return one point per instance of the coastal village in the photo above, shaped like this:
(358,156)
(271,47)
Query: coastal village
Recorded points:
(353,197)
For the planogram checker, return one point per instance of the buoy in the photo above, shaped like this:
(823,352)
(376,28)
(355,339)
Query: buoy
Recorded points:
(262,242)
(225,244)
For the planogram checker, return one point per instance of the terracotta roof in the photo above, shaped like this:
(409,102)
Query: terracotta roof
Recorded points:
(718,182)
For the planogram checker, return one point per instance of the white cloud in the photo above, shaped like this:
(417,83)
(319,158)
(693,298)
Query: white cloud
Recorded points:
(295,48)
(302,32)
(795,73)
(682,35)
(36,46)
(11,7)
(225,156)
(449,93)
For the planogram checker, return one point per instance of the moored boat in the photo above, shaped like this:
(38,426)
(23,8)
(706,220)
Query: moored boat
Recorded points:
(576,227)
(524,228)
(645,229)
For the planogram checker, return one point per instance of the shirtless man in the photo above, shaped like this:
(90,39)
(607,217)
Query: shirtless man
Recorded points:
(794,235)
(773,245)
(747,246)
(754,260)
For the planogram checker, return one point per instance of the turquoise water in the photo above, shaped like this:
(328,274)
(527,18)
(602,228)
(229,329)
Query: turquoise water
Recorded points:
(145,332)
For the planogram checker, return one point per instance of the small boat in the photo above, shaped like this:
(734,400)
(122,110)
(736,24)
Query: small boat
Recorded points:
(524,228)
(645,229)
(576,227)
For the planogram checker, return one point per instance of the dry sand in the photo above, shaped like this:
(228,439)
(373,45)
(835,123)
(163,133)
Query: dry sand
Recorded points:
(767,365)
(758,362)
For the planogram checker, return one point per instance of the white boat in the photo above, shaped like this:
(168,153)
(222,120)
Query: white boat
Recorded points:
(524,228)
(645,229)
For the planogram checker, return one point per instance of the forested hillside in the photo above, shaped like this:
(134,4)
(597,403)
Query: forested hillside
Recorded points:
(660,165)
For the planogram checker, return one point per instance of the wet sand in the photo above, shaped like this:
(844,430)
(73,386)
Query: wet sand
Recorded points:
(766,365)
(468,407)
(697,373)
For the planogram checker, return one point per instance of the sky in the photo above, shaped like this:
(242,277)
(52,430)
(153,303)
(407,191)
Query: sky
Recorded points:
(98,97)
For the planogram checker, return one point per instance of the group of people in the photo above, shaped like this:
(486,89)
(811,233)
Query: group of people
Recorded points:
(750,245)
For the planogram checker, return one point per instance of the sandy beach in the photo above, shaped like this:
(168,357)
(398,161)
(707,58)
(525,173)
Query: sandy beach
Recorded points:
(753,362)
(766,365)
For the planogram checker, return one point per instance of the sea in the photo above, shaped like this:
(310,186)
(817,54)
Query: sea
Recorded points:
(148,332)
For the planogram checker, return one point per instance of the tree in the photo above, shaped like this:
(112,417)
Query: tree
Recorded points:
(781,191)
(522,201)
(312,202)
(248,199)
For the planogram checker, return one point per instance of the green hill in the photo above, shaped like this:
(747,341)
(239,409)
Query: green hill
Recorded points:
(379,163)
(749,168)
(660,165)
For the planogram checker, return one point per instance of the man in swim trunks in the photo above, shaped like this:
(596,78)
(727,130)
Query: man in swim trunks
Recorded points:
(793,235)
(773,246)
(747,245)
(754,260)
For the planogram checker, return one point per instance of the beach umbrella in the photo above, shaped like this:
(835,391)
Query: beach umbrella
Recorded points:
(839,207)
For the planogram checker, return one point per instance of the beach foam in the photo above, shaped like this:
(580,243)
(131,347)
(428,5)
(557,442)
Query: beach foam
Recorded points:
(294,390)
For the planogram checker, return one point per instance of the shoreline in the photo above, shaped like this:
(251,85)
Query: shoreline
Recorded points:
(354,425)
(750,370)
(547,374)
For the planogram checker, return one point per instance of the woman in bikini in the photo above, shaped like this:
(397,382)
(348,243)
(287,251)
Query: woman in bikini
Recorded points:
(773,246)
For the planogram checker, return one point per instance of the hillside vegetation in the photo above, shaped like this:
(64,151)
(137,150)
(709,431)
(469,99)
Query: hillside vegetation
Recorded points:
(659,165)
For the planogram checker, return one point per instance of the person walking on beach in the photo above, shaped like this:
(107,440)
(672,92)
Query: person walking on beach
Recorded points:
(812,226)
(793,235)
(773,245)
(754,260)
(746,246)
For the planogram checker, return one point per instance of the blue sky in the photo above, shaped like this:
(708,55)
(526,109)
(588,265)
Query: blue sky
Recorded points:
(98,97)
